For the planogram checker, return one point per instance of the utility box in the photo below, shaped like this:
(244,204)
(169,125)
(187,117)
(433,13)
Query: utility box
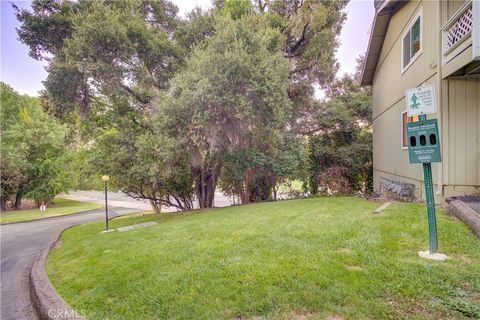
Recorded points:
(423,141)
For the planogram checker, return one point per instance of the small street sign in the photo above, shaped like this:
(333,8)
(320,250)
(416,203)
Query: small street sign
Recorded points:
(421,100)
(423,141)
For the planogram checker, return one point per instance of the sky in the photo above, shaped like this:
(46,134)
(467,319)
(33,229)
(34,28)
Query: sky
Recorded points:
(26,74)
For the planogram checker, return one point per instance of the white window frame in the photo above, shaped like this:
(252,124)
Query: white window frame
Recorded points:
(415,57)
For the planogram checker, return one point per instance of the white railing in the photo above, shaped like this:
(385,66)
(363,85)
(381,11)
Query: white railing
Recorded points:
(476,30)
(458,28)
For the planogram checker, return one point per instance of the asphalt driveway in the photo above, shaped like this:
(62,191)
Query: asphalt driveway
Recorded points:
(20,243)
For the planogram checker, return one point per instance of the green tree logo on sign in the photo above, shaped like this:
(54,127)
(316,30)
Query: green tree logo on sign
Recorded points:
(415,104)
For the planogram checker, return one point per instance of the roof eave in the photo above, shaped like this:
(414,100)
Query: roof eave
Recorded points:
(375,43)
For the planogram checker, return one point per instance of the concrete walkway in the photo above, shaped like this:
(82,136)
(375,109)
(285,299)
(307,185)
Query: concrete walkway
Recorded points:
(136,226)
(20,243)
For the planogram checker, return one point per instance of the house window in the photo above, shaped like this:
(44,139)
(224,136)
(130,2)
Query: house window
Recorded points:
(406,119)
(412,42)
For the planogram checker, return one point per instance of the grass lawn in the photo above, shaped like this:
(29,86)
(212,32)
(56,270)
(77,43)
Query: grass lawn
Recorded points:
(60,207)
(323,258)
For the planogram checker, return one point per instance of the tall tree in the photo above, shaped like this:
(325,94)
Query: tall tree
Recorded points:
(252,172)
(198,26)
(35,161)
(12,160)
(110,62)
(124,53)
(340,142)
(232,92)
(142,163)
(102,47)
(310,29)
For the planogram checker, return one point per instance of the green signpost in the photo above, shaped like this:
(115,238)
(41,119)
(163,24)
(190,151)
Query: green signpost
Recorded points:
(424,147)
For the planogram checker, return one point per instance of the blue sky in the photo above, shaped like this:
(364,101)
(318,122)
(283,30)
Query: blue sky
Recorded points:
(25,74)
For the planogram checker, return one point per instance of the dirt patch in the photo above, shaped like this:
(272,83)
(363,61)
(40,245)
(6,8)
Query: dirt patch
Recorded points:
(356,268)
(412,308)
(464,259)
(300,315)
(475,297)
(297,315)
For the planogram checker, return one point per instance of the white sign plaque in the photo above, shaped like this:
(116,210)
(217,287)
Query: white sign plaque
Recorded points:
(421,100)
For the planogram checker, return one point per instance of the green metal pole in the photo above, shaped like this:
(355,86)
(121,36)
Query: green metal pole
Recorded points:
(430,199)
(106,206)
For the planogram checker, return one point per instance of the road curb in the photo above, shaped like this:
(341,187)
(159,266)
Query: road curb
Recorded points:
(46,300)
(48,218)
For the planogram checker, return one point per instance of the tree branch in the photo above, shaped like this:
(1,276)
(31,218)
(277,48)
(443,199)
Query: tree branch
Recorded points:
(134,94)
(291,51)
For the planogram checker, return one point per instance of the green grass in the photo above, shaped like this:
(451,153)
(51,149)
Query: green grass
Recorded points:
(60,207)
(299,259)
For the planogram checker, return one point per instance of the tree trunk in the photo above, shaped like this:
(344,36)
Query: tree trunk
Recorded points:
(245,192)
(3,204)
(314,184)
(157,207)
(18,200)
(206,178)
(262,188)
(205,183)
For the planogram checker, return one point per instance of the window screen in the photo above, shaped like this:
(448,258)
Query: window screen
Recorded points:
(415,38)
(406,49)
(411,42)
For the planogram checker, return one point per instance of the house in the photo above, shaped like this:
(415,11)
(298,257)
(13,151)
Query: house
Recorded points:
(415,43)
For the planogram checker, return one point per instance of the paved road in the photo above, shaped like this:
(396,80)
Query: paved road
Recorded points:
(20,243)
(119,199)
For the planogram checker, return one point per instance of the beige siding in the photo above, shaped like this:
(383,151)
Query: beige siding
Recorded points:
(449,8)
(460,60)
(458,102)
(389,83)
(388,154)
(462,165)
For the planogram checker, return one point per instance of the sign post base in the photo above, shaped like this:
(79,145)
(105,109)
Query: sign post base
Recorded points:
(432,256)
(109,230)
